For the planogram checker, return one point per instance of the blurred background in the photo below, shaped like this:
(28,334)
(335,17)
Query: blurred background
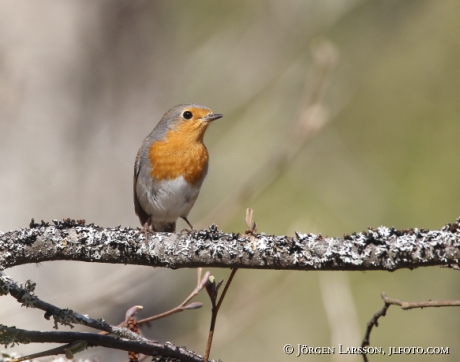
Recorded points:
(339,115)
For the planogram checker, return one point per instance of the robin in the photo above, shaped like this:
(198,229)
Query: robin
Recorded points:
(170,167)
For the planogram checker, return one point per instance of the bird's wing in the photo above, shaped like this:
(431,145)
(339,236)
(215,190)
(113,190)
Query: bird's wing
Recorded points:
(140,212)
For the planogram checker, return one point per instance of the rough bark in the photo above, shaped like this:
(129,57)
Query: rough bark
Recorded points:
(382,248)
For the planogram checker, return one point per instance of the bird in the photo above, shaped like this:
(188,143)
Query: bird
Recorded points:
(170,167)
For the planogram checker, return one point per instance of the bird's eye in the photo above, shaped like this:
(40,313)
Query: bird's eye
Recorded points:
(187,115)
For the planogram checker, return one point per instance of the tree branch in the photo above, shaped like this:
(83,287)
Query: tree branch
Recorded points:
(11,335)
(382,248)
(25,295)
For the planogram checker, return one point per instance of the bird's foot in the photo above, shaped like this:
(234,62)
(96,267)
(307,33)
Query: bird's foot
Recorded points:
(146,230)
(190,231)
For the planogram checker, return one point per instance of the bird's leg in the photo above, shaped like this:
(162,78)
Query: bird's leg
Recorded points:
(192,229)
(147,229)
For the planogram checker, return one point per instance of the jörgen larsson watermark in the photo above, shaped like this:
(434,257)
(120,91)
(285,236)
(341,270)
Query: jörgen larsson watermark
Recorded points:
(303,349)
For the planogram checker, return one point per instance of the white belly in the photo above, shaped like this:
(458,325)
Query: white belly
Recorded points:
(171,199)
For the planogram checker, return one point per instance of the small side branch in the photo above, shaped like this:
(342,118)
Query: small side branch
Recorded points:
(410,305)
(183,306)
(212,288)
(404,305)
(370,325)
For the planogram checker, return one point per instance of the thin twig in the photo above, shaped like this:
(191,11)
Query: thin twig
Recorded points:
(215,310)
(221,299)
(181,307)
(198,274)
(431,303)
(370,325)
(251,226)
(405,306)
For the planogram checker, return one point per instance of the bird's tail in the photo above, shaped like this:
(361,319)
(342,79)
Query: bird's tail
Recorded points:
(165,227)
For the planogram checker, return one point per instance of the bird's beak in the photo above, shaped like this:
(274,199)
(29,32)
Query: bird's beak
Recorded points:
(212,117)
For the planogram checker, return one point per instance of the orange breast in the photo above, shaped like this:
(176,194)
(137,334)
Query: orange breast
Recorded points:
(182,153)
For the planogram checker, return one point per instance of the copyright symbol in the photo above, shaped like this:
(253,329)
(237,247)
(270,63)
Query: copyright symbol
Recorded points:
(288,349)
